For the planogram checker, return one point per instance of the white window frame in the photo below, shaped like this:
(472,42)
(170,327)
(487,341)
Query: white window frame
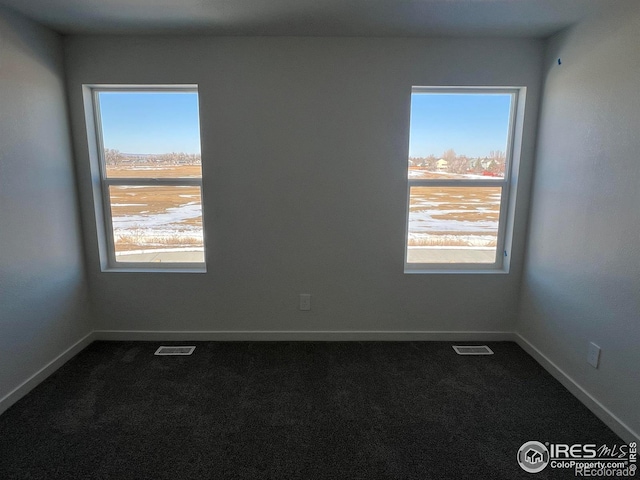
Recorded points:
(101,183)
(508,185)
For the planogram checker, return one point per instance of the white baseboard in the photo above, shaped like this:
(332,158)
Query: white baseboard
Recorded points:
(603,413)
(34,380)
(142,335)
(335,336)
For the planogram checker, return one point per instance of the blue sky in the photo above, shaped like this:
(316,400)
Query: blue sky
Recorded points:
(150,122)
(155,122)
(471,124)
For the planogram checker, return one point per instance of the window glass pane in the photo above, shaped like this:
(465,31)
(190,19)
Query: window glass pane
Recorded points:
(157,223)
(453,224)
(150,134)
(461,135)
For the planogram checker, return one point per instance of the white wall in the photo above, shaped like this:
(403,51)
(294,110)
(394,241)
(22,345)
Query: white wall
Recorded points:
(304,144)
(43,301)
(582,275)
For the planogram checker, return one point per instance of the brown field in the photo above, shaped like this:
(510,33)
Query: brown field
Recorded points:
(148,201)
(138,205)
(453,216)
(164,171)
(457,203)
(437,212)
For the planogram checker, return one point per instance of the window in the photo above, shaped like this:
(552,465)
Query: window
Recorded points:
(146,164)
(461,166)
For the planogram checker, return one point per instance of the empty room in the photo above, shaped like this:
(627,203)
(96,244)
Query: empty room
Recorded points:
(349,239)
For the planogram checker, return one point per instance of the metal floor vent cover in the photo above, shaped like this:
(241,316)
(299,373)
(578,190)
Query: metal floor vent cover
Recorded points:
(164,350)
(472,350)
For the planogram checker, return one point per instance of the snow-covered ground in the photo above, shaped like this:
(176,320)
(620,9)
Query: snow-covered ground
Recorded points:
(163,228)
(437,218)
(432,224)
(459,240)
(419,173)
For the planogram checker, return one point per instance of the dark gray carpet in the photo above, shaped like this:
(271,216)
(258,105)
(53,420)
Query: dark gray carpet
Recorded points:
(291,410)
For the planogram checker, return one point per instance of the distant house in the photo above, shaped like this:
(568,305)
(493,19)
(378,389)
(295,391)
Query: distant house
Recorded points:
(442,164)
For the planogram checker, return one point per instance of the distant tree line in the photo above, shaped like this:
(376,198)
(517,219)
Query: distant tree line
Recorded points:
(115,158)
(494,163)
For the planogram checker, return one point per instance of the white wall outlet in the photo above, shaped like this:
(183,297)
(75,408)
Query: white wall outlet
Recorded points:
(305,301)
(593,357)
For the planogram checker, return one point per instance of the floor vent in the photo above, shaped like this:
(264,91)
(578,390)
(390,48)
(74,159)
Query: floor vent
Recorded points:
(472,350)
(175,350)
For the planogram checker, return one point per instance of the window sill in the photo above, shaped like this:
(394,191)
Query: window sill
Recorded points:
(449,271)
(143,269)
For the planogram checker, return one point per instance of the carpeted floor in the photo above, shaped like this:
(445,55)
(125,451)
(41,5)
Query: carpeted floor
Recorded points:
(291,410)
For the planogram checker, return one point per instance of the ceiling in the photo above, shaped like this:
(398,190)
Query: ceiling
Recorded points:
(414,18)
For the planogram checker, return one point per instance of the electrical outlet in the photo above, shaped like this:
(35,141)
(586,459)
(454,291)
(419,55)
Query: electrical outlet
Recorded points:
(305,301)
(593,357)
